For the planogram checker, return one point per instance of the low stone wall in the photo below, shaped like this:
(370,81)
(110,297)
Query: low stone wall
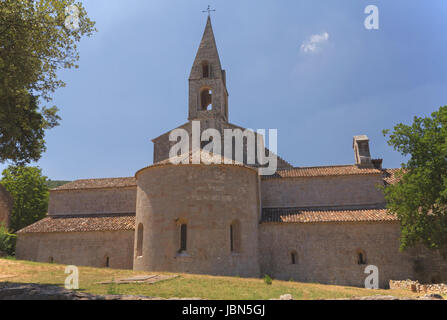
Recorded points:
(415,286)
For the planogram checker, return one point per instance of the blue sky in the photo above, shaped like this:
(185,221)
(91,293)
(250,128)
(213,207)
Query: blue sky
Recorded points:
(132,82)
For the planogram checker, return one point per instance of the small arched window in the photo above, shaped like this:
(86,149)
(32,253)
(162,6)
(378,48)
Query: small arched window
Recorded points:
(235,236)
(205,69)
(294,257)
(107,262)
(140,240)
(361,257)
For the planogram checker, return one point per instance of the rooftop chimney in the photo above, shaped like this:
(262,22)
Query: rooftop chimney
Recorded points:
(361,151)
(377,163)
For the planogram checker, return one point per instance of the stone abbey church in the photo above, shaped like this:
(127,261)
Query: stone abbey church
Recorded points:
(311,224)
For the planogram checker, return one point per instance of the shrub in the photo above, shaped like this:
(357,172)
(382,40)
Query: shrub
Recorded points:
(112,288)
(267,279)
(7,242)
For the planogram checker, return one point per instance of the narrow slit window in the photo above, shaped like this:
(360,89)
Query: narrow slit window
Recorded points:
(361,257)
(140,240)
(205,69)
(183,237)
(235,237)
(231,238)
(294,257)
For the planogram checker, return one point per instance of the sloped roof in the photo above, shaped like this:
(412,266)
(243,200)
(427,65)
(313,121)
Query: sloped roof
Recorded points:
(297,215)
(205,157)
(390,176)
(207,50)
(82,223)
(323,171)
(99,183)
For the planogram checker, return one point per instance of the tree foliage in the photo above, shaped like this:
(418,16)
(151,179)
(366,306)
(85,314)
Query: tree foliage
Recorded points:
(7,242)
(419,199)
(34,44)
(56,183)
(29,190)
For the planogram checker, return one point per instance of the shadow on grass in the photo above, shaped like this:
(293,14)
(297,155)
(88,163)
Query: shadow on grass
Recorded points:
(34,291)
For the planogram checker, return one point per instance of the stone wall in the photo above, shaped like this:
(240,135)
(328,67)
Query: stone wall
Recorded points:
(207,198)
(79,248)
(328,253)
(162,145)
(92,201)
(415,286)
(322,191)
(5,206)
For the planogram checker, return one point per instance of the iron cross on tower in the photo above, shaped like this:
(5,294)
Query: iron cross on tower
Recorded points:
(209,10)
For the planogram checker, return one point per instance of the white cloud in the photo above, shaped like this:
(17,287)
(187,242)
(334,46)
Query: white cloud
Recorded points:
(314,43)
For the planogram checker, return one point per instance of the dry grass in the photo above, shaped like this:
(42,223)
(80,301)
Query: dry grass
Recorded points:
(184,286)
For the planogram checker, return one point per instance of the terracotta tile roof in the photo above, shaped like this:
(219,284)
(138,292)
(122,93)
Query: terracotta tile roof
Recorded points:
(205,158)
(99,184)
(296,215)
(390,175)
(84,223)
(323,171)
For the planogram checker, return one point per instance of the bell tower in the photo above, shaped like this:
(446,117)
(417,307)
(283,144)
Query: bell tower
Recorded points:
(208,95)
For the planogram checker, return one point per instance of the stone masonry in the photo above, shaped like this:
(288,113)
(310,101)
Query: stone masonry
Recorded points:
(314,224)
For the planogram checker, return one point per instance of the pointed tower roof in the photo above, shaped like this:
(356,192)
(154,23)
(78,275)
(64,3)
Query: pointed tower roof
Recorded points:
(207,51)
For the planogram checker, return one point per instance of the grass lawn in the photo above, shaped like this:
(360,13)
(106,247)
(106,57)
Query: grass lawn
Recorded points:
(184,286)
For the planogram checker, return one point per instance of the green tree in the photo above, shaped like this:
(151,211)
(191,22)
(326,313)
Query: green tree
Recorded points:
(34,43)
(419,199)
(7,241)
(56,183)
(29,190)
